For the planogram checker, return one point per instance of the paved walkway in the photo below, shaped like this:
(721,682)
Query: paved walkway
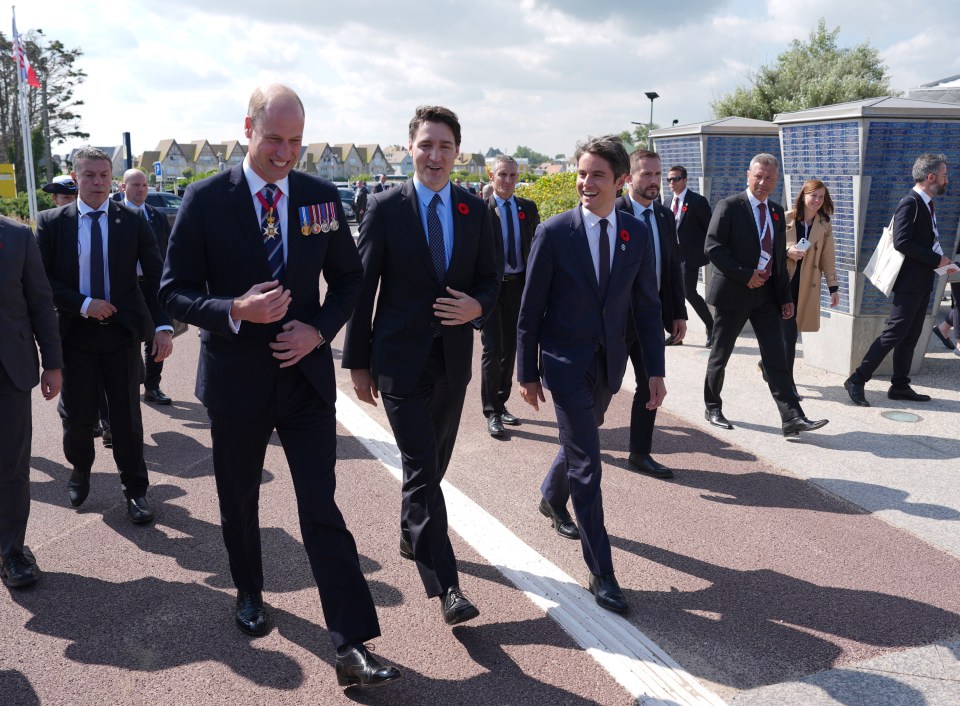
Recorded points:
(769,571)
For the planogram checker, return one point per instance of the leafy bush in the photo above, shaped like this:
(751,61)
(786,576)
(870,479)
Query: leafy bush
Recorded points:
(19,208)
(553,194)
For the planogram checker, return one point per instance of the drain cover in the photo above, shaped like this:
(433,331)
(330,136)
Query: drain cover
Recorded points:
(901,416)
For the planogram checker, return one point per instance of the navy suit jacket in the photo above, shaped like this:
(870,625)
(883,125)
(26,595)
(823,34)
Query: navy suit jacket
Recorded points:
(27,318)
(671,279)
(216,254)
(564,317)
(394,343)
(129,240)
(529,218)
(913,236)
(694,219)
(733,246)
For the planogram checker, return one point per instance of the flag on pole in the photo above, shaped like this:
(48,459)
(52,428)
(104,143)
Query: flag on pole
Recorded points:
(26,74)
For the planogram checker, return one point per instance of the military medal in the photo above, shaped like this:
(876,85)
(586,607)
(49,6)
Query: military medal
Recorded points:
(315,218)
(304,220)
(334,224)
(270,231)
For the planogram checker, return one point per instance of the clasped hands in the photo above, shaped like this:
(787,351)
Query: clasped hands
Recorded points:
(267,303)
(101,310)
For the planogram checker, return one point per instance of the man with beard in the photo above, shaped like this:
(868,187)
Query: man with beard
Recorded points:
(915,234)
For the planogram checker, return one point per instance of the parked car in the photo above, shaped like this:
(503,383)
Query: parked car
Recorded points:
(166,203)
(346,198)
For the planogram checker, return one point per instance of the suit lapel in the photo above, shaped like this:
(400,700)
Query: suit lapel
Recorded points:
(619,254)
(118,232)
(460,225)
(247,224)
(748,209)
(581,249)
(70,239)
(413,225)
(294,237)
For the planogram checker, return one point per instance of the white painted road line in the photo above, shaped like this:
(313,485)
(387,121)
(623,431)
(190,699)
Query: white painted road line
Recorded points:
(634,660)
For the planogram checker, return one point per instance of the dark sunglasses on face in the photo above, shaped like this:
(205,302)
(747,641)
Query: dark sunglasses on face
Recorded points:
(670,180)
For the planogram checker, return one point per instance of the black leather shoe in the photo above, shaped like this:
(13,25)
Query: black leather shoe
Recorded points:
(251,615)
(716,418)
(560,519)
(97,431)
(509,419)
(139,510)
(360,668)
(156,396)
(19,570)
(78,487)
(906,393)
(608,594)
(855,390)
(456,607)
(945,340)
(107,437)
(792,427)
(494,425)
(406,549)
(644,463)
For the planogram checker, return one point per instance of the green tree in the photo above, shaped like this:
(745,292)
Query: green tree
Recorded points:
(534,156)
(553,194)
(809,74)
(637,137)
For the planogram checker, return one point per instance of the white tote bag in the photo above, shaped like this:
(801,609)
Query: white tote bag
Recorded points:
(884,265)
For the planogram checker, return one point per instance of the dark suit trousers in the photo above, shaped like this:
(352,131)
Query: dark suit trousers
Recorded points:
(576,471)
(425,424)
(901,334)
(642,420)
(499,338)
(690,274)
(307,429)
(764,315)
(15,437)
(93,352)
(154,369)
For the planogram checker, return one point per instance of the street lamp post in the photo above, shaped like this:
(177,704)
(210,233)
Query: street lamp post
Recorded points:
(652,95)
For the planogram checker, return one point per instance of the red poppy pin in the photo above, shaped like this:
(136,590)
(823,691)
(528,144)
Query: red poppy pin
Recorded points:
(521,215)
(624,236)
(684,209)
(463,208)
(776,217)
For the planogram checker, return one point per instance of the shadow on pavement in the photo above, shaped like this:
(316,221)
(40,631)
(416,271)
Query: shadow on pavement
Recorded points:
(765,627)
(17,689)
(879,497)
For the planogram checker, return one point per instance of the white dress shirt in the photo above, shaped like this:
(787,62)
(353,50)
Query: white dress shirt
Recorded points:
(83,247)
(591,224)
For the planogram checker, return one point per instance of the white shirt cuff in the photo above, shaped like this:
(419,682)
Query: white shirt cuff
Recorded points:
(85,306)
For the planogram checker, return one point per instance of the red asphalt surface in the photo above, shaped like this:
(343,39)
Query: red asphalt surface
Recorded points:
(743,573)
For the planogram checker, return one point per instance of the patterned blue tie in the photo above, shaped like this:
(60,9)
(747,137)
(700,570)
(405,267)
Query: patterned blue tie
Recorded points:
(98,286)
(272,239)
(435,234)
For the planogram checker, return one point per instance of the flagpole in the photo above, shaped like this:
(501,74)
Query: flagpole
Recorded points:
(23,90)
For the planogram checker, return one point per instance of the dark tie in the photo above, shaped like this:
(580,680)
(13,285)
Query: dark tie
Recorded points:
(97,285)
(647,212)
(604,256)
(512,238)
(270,225)
(438,252)
(676,205)
(766,244)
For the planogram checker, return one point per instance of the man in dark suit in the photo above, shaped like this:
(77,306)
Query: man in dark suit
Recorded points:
(589,268)
(430,249)
(381,184)
(746,244)
(692,214)
(244,264)
(360,201)
(135,197)
(90,252)
(915,234)
(515,220)
(641,201)
(27,320)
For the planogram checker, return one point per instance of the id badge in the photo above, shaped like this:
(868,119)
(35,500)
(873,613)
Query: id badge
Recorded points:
(764,259)
(937,249)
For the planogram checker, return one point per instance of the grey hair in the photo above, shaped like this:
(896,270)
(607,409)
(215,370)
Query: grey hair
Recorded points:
(501,158)
(767,159)
(927,164)
(90,153)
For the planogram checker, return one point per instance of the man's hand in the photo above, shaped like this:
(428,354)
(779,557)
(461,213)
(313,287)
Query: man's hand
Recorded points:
(787,310)
(944,260)
(459,308)
(657,392)
(364,386)
(50,381)
(162,345)
(532,394)
(263,303)
(100,309)
(296,341)
(757,279)
(679,330)
(834,299)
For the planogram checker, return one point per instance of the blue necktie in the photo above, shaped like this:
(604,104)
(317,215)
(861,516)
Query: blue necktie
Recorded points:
(272,243)
(511,237)
(647,212)
(98,285)
(438,252)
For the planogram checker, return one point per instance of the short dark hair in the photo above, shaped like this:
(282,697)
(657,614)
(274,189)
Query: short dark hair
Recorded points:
(436,114)
(90,153)
(678,168)
(637,155)
(610,147)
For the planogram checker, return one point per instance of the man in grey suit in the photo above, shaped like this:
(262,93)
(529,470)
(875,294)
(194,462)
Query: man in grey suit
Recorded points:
(27,320)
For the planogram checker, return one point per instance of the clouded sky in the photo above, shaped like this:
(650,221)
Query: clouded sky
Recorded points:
(540,73)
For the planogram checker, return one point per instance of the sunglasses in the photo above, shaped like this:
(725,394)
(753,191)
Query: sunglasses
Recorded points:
(670,180)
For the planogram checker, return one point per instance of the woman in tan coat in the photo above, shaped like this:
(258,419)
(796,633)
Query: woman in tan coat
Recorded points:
(810,257)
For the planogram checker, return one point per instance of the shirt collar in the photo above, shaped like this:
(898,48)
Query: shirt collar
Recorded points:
(425,194)
(923,194)
(754,201)
(501,201)
(592,220)
(256,182)
(682,196)
(141,207)
(83,209)
(638,207)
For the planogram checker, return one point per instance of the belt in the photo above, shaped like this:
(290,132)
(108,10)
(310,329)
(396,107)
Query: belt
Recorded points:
(512,276)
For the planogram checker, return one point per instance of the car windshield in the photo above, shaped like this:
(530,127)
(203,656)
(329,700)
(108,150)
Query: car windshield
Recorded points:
(165,199)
